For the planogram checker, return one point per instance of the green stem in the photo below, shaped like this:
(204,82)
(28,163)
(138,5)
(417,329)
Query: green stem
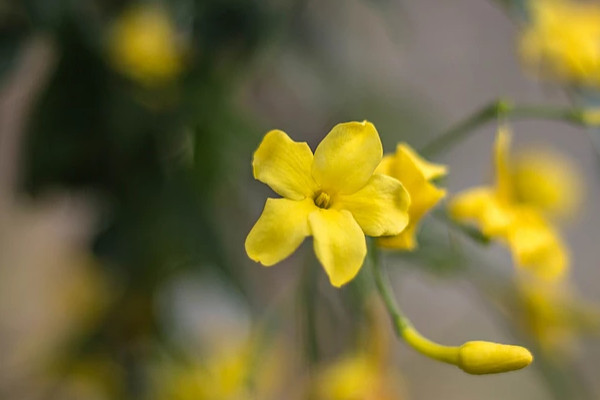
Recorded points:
(494,110)
(402,324)
(462,129)
(309,298)
(399,320)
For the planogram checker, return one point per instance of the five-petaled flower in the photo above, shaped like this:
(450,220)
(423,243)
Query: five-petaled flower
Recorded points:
(333,195)
(416,175)
(503,213)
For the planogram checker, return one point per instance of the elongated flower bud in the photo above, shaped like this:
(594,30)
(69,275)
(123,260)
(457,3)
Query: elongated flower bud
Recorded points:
(478,357)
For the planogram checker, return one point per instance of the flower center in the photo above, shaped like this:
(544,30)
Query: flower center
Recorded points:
(322,200)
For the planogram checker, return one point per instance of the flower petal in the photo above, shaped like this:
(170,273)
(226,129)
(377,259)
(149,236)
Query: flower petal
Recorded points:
(548,181)
(339,243)
(410,169)
(421,202)
(386,165)
(501,161)
(345,160)
(356,376)
(429,170)
(279,231)
(380,207)
(537,247)
(482,206)
(284,165)
(406,240)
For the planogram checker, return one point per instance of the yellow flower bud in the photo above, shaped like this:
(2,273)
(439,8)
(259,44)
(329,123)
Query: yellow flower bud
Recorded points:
(478,357)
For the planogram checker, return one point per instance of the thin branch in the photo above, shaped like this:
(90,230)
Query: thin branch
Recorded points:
(496,110)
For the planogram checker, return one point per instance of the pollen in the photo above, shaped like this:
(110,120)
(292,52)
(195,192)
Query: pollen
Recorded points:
(322,200)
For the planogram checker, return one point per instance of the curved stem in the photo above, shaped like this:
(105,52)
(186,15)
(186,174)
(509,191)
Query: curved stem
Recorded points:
(499,109)
(402,324)
(385,291)
(447,354)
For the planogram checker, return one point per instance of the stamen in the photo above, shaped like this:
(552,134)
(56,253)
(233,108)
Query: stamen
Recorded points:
(322,200)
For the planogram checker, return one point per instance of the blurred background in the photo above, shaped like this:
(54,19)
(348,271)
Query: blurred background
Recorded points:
(126,193)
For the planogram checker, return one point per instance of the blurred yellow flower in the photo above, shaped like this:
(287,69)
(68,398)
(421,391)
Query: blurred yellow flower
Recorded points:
(231,371)
(143,45)
(537,246)
(549,312)
(562,41)
(547,181)
(223,376)
(366,373)
(501,213)
(544,315)
(591,116)
(93,376)
(357,377)
(415,174)
(334,196)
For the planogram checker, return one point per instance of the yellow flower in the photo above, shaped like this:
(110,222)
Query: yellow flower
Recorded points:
(415,174)
(335,196)
(501,213)
(562,41)
(143,45)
